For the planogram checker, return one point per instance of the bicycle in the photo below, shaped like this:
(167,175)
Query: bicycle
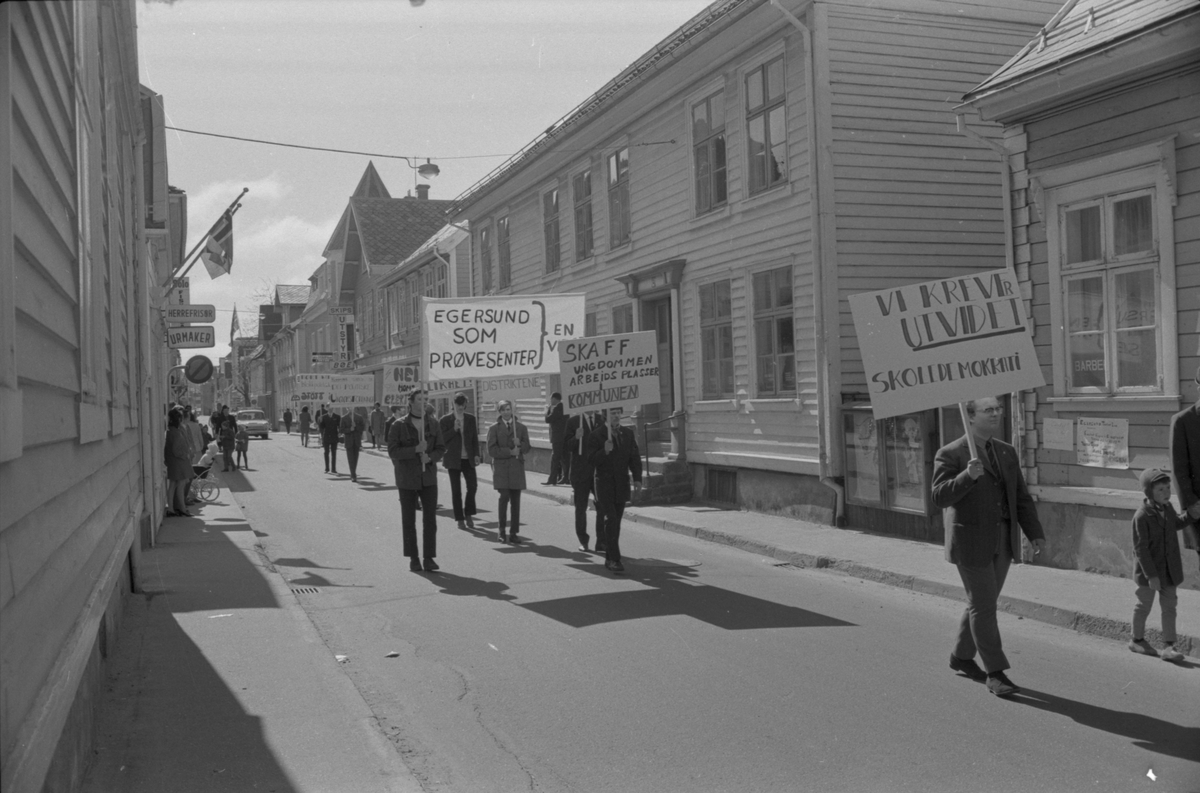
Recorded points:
(206,486)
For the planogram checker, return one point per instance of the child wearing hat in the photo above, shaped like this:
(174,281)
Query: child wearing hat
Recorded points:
(1159,565)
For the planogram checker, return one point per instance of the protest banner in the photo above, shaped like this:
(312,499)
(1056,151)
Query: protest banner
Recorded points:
(600,372)
(398,383)
(939,342)
(476,337)
(351,390)
(514,389)
(312,388)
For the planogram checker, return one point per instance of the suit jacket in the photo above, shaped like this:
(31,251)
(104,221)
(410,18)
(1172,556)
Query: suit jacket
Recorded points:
(508,455)
(1156,545)
(970,515)
(328,425)
(352,426)
(557,420)
(453,440)
(581,468)
(1185,455)
(403,438)
(614,468)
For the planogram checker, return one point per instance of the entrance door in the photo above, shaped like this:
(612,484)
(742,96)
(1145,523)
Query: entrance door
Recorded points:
(656,316)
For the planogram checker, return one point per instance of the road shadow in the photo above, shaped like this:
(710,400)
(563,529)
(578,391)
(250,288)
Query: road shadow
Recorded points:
(312,579)
(197,567)
(464,586)
(236,481)
(1147,732)
(299,561)
(670,591)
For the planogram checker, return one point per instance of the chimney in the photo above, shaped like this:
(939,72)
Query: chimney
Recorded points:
(422,192)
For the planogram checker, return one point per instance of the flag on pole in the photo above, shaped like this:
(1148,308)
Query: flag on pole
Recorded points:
(218,247)
(234,326)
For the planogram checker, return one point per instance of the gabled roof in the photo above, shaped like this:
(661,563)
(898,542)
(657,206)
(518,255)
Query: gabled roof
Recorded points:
(292,294)
(392,228)
(1082,27)
(369,186)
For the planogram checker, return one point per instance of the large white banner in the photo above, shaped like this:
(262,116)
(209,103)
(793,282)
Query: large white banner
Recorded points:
(610,371)
(476,337)
(311,389)
(939,342)
(337,390)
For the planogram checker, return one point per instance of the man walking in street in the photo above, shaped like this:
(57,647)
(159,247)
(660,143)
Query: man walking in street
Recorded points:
(287,420)
(984,499)
(328,425)
(377,422)
(460,434)
(612,450)
(582,475)
(352,426)
(557,420)
(415,446)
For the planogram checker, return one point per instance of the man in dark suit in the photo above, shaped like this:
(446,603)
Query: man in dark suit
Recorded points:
(415,446)
(328,424)
(460,436)
(613,451)
(983,498)
(557,420)
(352,425)
(1185,456)
(582,474)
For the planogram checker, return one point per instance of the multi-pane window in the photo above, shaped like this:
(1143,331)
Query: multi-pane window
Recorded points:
(405,310)
(439,281)
(766,126)
(395,297)
(774,341)
(622,318)
(380,313)
(708,152)
(503,253)
(589,324)
(581,196)
(716,340)
(1110,274)
(429,289)
(550,229)
(618,198)
(485,258)
(414,299)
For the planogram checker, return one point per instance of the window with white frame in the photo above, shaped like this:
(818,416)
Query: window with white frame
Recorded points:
(774,338)
(581,196)
(716,340)
(503,253)
(622,318)
(485,258)
(380,313)
(589,324)
(1110,245)
(618,198)
(708,152)
(550,228)
(394,298)
(766,126)
(439,281)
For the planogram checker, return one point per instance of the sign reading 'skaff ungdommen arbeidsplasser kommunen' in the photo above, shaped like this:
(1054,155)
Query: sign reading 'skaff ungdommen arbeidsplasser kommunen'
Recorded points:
(940,342)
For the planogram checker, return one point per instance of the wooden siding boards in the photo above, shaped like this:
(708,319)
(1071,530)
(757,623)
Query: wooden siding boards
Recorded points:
(915,200)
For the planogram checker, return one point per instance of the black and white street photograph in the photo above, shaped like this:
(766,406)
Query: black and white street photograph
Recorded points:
(614,396)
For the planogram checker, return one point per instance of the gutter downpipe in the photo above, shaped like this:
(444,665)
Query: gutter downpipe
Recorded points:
(824,399)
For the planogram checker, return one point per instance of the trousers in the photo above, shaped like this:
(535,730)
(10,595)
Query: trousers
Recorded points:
(462,510)
(978,630)
(352,449)
(330,450)
(582,493)
(408,521)
(1168,600)
(512,497)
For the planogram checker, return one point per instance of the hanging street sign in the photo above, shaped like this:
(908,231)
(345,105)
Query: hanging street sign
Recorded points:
(191,313)
(191,336)
(341,311)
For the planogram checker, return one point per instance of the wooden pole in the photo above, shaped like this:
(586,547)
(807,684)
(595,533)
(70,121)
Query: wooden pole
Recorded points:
(962,409)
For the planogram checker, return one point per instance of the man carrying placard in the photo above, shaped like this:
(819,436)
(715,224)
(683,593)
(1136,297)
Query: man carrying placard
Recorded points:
(415,446)
(583,475)
(460,434)
(613,451)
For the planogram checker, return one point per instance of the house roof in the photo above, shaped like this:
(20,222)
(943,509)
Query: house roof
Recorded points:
(1082,27)
(370,185)
(392,228)
(292,294)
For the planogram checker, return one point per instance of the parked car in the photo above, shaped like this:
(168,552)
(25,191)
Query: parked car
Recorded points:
(255,422)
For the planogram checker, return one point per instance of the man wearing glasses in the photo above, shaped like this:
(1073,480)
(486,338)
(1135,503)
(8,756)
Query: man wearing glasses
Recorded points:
(984,499)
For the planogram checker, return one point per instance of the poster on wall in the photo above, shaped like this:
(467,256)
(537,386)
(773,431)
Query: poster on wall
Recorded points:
(600,372)
(477,337)
(1102,443)
(906,467)
(1058,434)
(939,342)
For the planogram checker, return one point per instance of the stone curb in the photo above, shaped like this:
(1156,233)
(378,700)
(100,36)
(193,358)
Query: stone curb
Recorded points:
(1103,627)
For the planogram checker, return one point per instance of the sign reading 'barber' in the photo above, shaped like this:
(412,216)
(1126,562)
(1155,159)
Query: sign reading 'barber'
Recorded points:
(934,343)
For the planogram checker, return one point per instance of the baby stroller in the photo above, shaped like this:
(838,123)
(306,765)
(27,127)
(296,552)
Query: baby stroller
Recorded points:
(206,486)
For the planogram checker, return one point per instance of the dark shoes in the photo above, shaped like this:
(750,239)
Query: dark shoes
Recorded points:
(999,684)
(616,567)
(548,482)
(431,565)
(414,564)
(968,668)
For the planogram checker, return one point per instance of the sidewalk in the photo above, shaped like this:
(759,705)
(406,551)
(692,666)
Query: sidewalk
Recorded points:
(220,682)
(1087,602)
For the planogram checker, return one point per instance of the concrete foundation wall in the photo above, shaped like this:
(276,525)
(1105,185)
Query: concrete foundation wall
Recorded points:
(792,495)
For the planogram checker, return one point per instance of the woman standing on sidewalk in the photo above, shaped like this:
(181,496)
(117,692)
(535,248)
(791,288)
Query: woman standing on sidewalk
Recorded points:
(305,425)
(508,443)
(177,456)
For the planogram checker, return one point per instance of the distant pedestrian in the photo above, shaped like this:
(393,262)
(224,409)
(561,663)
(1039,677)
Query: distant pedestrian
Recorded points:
(378,419)
(613,452)
(583,475)
(460,436)
(415,446)
(557,420)
(507,445)
(352,426)
(177,457)
(984,499)
(329,425)
(287,420)
(228,440)
(242,447)
(1185,456)
(217,418)
(387,425)
(1158,565)
(306,422)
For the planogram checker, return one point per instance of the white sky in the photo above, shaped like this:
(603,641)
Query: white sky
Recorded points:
(449,79)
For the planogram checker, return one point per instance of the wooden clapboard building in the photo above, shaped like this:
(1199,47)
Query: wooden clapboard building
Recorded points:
(87,245)
(1101,115)
(728,190)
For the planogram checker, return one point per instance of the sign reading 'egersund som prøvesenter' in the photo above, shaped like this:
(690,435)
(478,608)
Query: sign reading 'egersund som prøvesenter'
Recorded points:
(939,342)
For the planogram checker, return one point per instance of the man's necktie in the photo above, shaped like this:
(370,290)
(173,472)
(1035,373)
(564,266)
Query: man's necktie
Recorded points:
(994,460)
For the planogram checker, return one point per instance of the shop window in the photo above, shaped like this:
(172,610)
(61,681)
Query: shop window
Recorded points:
(888,462)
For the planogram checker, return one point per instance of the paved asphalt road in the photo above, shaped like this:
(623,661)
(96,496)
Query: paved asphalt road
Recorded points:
(703,669)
